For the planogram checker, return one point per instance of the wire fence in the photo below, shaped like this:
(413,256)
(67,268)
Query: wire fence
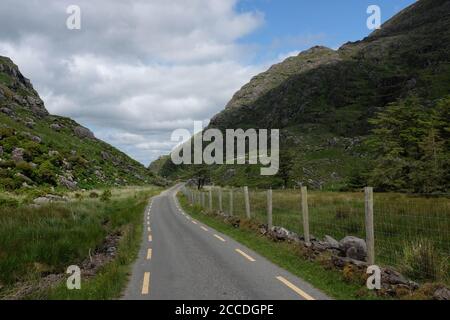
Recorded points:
(410,233)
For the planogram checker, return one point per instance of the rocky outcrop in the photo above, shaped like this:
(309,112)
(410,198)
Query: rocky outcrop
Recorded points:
(83,133)
(354,248)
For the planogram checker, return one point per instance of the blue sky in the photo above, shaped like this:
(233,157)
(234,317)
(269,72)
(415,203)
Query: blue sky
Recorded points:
(295,25)
(140,69)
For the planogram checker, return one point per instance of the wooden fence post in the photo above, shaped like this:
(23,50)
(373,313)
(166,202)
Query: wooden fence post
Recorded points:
(269,209)
(220,200)
(210,200)
(370,237)
(305,214)
(231,202)
(247,203)
(203,199)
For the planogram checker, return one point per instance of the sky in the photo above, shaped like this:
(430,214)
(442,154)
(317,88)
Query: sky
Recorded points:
(139,69)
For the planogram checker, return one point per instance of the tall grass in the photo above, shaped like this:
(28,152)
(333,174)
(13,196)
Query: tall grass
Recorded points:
(38,241)
(400,221)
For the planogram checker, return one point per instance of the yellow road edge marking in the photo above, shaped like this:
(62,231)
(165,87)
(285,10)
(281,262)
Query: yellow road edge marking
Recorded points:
(149,254)
(149,238)
(245,255)
(220,238)
(204,228)
(149,229)
(146,283)
(297,290)
(194,222)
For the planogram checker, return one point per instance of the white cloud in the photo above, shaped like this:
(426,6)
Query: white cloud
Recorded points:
(137,69)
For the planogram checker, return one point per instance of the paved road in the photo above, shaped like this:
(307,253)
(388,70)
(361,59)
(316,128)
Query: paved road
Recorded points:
(183,259)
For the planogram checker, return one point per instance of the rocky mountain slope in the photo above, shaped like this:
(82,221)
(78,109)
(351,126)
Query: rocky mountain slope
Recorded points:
(322,99)
(39,149)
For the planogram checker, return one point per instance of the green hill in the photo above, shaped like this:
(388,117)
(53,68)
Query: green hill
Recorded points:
(323,100)
(38,149)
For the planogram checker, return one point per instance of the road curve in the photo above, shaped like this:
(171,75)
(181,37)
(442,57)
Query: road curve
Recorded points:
(183,259)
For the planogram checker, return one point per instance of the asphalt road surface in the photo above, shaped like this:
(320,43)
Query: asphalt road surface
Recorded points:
(183,259)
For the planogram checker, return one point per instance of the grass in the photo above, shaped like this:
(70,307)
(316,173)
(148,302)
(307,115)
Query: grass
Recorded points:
(39,241)
(399,219)
(285,255)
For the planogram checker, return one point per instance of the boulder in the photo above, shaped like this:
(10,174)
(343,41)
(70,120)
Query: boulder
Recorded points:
(6,111)
(442,294)
(331,242)
(49,198)
(36,139)
(105,155)
(354,248)
(283,234)
(56,127)
(67,183)
(17,154)
(82,133)
(53,153)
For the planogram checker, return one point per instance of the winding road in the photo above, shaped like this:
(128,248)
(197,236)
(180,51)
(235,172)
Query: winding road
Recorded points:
(183,259)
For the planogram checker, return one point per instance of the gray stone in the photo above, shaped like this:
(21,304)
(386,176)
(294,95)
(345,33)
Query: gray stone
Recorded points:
(36,139)
(6,111)
(283,234)
(332,243)
(17,154)
(442,294)
(56,127)
(354,248)
(82,132)
(67,183)
(53,153)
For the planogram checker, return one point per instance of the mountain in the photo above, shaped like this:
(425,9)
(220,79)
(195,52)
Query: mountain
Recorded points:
(322,99)
(39,149)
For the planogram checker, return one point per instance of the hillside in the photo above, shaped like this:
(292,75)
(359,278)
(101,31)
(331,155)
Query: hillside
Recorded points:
(39,149)
(322,100)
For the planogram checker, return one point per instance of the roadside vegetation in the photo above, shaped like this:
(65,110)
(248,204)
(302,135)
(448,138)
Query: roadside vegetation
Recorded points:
(101,234)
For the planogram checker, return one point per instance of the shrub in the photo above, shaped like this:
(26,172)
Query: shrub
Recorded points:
(47,173)
(8,202)
(422,261)
(24,167)
(10,184)
(93,195)
(6,132)
(106,195)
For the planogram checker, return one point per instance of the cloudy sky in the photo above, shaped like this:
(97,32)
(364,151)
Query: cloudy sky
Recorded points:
(138,69)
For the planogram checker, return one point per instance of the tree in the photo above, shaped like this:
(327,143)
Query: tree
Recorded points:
(409,151)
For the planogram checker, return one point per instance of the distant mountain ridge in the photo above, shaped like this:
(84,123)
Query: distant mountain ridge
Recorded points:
(39,149)
(322,99)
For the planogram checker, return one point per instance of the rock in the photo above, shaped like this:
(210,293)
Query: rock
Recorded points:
(17,154)
(53,153)
(82,133)
(29,124)
(41,200)
(36,139)
(354,248)
(24,177)
(49,198)
(56,127)
(67,183)
(6,111)
(442,294)
(392,277)
(332,243)
(283,234)
(105,155)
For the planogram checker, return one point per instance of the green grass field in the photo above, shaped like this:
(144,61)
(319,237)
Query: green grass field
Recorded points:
(35,242)
(411,233)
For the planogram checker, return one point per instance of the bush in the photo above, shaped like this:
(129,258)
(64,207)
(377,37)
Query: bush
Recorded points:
(10,184)
(8,202)
(47,173)
(106,195)
(422,261)
(24,167)
(93,195)
(6,132)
